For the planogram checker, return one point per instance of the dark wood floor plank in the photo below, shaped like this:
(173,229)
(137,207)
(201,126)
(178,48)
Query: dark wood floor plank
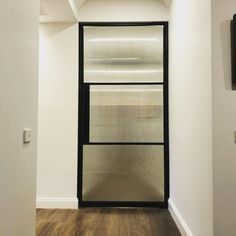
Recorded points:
(44,217)
(105,222)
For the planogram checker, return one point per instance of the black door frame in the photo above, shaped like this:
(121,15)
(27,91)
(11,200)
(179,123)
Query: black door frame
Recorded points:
(83,121)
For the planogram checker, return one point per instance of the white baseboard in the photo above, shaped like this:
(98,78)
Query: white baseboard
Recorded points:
(63,203)
(183,228)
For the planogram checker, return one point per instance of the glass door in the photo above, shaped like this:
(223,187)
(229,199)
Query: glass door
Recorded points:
(123,114)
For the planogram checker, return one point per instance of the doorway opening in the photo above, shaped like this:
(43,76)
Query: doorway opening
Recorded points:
(123,147)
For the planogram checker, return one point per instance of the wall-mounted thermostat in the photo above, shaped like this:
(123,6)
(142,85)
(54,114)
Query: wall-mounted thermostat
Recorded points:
(27,135)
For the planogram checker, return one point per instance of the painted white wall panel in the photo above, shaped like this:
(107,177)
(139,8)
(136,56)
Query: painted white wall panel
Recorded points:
(18,110)
(58,111)
(224,118)
(191,114)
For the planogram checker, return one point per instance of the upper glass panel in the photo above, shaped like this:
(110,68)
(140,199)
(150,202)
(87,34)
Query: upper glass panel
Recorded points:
(123,54)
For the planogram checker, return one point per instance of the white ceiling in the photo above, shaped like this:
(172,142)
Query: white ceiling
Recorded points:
(79,3)
(166,2)
(65,10)
(56,11)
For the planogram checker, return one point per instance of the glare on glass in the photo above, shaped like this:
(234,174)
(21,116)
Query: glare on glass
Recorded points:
(123,54)
(126,113)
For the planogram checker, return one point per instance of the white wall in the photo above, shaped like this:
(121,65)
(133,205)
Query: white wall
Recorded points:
(191,115)
(18,109)
(224,118)
(58,96)
(58,112)
(123,10)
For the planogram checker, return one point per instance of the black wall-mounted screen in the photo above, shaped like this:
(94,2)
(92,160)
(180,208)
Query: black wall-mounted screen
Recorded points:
(233,51)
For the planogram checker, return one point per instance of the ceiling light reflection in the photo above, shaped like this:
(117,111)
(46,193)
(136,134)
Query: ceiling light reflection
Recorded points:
(114,59)
(124,71)
(124,90)
(133,39)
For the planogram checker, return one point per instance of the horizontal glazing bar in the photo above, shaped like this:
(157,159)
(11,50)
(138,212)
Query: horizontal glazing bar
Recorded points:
(116,83)
(159,204)
(120,143)
(104,24)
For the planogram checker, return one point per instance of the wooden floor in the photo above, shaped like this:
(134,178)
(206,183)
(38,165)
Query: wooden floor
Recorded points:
(105,222)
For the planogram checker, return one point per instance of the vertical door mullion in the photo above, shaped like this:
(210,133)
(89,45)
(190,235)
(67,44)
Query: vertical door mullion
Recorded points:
(166,115)
(86,112)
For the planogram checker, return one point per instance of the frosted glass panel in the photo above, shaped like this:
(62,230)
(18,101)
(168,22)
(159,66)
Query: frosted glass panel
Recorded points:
(126,113)
(123,54)
(123,173)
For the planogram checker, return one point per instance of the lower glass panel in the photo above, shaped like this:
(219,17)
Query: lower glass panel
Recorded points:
(123,173)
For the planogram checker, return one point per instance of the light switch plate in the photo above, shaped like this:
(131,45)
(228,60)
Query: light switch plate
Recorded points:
(27,135)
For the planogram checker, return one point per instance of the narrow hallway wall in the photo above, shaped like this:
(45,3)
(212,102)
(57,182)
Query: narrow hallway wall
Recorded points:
(58,112)
(224,117)
(18,110)
(191,116)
